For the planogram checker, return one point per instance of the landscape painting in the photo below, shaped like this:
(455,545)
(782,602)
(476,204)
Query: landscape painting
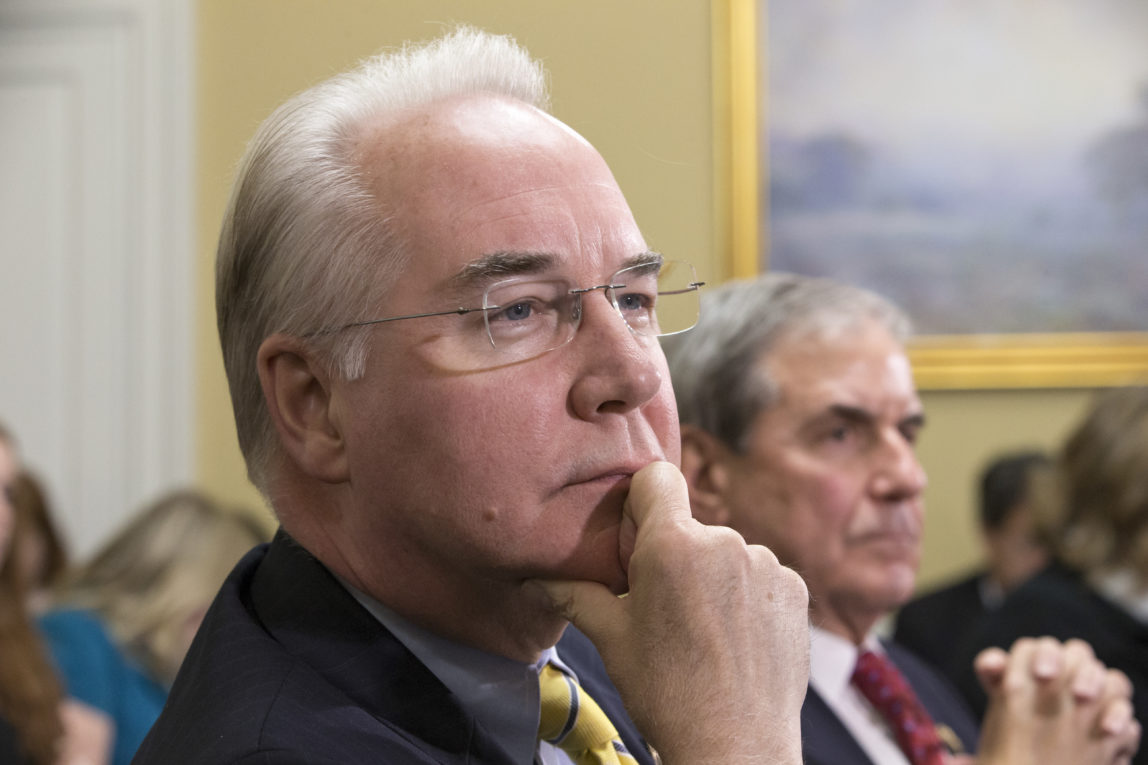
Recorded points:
(982,163)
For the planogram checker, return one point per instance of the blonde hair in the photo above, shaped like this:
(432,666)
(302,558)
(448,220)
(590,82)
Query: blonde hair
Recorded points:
(158,572)
(1103,481)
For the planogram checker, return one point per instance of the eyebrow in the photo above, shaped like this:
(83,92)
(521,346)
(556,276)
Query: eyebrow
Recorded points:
(499,265)
(865,417)
(489,268)
(647,258)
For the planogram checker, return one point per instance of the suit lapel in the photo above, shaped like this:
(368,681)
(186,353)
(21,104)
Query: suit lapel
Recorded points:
(305,608)
(824,739)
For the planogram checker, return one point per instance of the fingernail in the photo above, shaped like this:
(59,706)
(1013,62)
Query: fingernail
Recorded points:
(1087,684)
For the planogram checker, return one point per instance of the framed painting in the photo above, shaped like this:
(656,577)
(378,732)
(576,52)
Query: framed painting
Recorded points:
(983,164)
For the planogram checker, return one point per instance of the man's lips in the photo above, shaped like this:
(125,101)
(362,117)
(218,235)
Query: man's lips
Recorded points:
(608,473)
(605,478)
(899,540)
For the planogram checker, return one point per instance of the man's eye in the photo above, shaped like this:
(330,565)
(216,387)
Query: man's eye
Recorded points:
(634,301)
(519,311)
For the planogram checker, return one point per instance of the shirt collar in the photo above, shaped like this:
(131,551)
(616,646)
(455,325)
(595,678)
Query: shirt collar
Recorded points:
(832,659)
(501,693)
(992,594)
(1125,590)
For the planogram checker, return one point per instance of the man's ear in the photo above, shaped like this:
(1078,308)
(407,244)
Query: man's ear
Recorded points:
(705,466)
(297,389)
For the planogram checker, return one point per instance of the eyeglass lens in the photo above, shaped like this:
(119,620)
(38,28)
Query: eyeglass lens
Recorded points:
(526,317)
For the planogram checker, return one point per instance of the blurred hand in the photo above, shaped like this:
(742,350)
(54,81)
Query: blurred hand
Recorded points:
(88,734)
(710,649)
(1054,704)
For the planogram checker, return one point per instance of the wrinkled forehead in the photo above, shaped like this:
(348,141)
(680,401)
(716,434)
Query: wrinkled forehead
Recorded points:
(863,366)
(466,178)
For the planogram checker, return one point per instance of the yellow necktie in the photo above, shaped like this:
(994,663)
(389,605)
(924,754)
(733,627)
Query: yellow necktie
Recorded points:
(574,723)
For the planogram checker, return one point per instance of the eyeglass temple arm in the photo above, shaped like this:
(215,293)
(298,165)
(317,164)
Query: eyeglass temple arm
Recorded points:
(458,311)
(691,287)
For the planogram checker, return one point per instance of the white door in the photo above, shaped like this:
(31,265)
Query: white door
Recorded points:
(96,277)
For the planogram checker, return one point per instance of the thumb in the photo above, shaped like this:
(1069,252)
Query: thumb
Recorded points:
(589,606)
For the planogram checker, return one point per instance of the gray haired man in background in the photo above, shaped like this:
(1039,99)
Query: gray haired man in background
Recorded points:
(799,425)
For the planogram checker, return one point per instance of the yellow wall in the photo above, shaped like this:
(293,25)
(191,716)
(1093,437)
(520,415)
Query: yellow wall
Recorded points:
(635,78)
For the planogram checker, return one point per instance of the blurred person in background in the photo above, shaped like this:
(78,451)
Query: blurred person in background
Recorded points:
(38,549)
(31,731)
(124,620)
(1095,515)
(932,624)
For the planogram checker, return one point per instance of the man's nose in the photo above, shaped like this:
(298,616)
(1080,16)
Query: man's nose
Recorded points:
(618,370)
(898,473)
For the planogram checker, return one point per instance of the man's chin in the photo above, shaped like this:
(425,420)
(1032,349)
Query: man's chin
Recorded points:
(901,586)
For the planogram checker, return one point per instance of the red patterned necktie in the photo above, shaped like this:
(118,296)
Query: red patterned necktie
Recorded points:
(885,688)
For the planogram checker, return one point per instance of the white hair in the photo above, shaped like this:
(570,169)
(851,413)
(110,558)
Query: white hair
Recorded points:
(305,243)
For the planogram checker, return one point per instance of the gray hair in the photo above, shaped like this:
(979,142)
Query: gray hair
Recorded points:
(305,243)
(716,367)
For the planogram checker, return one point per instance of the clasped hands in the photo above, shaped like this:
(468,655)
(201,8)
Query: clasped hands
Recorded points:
(1053,703)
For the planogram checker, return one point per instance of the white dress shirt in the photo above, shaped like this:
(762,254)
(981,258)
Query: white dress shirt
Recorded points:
(1125,590)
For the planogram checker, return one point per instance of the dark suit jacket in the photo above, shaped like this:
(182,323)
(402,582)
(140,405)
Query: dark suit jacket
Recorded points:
(1058,602)
(289,668)
(939,625)
(826,741)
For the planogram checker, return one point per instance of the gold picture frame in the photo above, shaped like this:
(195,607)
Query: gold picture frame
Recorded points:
(941,362)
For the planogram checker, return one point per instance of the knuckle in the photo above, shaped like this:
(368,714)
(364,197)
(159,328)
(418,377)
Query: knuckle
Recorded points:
(764,556)
(1022,645)
(1117,683)
(1078,647)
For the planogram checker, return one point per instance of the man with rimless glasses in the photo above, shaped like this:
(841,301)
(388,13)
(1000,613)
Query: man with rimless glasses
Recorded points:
(439,322)
(525,316)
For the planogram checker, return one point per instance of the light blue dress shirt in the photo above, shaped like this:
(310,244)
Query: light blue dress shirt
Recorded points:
(501,693)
